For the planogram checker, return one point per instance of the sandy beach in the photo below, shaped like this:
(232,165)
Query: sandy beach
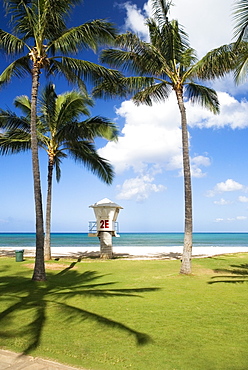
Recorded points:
(130,252)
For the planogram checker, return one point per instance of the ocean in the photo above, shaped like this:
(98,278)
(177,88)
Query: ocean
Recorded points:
(22,240)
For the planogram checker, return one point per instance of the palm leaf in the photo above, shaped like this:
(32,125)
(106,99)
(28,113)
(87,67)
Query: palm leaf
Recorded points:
(85,153)
(10,121)
(70,106)
(23,103)
(203,95)
(76,70)
(19,68)
(156,93)
(14,141)
(241,70)
(217,63)
(240,17)
(89,36)
(10,43)
(125,87)
(160,10)
(98,127)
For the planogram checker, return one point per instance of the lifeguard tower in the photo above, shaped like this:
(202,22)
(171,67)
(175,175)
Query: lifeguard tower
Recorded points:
(105,226)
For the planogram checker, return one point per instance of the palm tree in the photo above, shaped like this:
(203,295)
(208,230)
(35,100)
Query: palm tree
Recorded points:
(61,134)
(167,63)
(39,29)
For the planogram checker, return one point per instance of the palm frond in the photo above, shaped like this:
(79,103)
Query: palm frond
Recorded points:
(98,127)
(57,163)
(85,152)
(125,87)
(78,71)
(19,68)
(69,107)
(10,121)
(204,96)
(241,70)
(47,106)
(89,35)
(240,17)
(44,18)
(14,141)
(10,43)
(23,102)
(217,63)
(156,93)
(160,10)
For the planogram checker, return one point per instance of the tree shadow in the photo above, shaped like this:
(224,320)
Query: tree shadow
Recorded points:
(237,274)
(33,297)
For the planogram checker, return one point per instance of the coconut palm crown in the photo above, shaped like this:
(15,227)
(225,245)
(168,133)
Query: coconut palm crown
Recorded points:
(167,63)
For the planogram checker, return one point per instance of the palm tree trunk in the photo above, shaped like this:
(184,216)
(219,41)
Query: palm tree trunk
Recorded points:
(187,248)
(47,246)
(39,273)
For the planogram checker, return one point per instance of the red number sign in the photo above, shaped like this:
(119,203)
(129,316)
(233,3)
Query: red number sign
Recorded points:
(104,224)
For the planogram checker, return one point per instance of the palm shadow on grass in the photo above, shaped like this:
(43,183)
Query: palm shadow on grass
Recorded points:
(35,296)
(236,274)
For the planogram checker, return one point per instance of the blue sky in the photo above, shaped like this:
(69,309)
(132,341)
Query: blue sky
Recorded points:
(147,158)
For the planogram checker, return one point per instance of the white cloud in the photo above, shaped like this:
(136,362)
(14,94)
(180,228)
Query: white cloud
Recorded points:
(233,113)
(151,137)
(138,188)
(231,219)
(150,141)
(222,202)
(241,218)
(243,199)
(196,162)
(228,185)
(219,219)
(135,19)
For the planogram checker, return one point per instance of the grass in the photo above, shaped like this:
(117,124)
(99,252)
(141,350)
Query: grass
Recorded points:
(123,314)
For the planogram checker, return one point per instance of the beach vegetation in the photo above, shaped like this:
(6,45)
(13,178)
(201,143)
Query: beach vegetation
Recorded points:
(119,314)
(41,41)
(163,65)
(61,133)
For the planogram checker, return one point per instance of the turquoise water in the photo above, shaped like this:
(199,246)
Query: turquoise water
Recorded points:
(21,240)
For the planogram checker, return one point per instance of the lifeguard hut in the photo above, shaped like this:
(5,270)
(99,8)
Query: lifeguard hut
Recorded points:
(105,226)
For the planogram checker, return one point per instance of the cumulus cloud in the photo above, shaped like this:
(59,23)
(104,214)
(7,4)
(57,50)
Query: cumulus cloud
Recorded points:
(151,137)
(222,202)
(227,186)
(150,141)
(135,19)
(243,199)
(233,113)
(138,188)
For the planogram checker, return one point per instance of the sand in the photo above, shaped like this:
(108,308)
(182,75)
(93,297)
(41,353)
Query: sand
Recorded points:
(131,252)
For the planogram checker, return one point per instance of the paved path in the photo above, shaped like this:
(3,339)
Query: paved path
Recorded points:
(17,361)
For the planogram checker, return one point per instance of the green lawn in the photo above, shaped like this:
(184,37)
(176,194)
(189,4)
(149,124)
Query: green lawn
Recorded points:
(123,314)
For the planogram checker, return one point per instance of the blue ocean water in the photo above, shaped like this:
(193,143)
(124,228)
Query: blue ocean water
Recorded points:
(22,240)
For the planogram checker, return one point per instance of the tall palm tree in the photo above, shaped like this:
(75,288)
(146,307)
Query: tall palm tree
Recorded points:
(167,63)
(60,133)
(40,36)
